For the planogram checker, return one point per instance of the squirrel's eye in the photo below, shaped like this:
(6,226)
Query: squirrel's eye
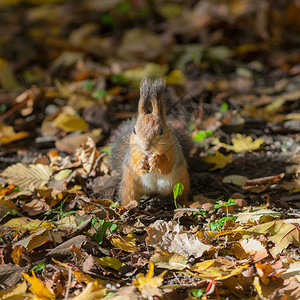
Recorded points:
(161,131)
(134,131)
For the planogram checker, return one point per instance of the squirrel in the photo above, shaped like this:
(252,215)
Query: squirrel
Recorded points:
(146,151)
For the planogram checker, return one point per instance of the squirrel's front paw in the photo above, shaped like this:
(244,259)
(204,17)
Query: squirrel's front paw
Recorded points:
(152,160)
(143,165)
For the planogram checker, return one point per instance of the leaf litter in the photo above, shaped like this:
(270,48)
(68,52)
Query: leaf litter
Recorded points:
(62,233)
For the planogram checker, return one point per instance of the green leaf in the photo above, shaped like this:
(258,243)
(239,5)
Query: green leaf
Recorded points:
(99,94)
(224,107)
(38,268)
(178,189)
(198,137)
(198,293)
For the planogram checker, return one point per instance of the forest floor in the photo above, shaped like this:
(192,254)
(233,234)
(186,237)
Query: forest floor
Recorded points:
(69,75)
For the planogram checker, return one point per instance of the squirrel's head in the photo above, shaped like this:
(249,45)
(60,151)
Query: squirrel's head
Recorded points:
(151,133)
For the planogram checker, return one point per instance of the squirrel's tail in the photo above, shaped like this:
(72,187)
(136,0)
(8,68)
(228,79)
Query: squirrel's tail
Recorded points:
(120,145)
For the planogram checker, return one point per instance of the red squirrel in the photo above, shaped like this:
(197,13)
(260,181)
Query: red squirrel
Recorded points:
(146,151)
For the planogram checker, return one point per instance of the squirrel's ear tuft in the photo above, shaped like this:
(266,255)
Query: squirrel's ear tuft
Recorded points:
(144,96)
(157,89)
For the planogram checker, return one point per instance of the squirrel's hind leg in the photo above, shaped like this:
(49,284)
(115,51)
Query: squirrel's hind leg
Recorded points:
(130,190)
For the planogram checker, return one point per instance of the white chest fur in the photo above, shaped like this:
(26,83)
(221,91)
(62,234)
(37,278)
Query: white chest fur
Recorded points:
(159,184)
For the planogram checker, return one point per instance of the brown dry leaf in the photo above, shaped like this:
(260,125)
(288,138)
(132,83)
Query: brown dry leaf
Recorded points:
(35,207)
(263,271)
(170,236)
(249,247)
(91,292)
(15,292)
(35,240)
(256,215)
(88,155)
(220,160)
(235,179)
(140,43)
(292,272)
(27,176)
(259,185)
(148,285)
(38,288)
(70,123)
(170,261)
(127,243)
(241,143)
(73,141)
(283,233)
(65,247)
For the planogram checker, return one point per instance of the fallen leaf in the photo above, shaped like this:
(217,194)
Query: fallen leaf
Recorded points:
(17,253)
(70,123)
(27,176)
(38,288)
(15,292)
(7,78)
(170,261)
(259,185)
(241,143)
(8,135)
(127,243)
(220,160)
(35,240)
(283,233)
(249,247)
(256,215)
(148,285)
(88,155)
(235,179)
(91,292)
(171,237)
(217,273)
(111,262)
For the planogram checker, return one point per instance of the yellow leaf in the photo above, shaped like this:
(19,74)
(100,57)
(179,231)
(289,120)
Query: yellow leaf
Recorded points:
(241,143)
(111,262)
(148,285)
(7,78)
(70,123)
(16,254)
(127,243)
(91,292)
(176,77)
(199,267)
(218,273)
(63,174)
(35,240)
(220,160)
(38,288)
(15,292)
(81,277)
(257,286)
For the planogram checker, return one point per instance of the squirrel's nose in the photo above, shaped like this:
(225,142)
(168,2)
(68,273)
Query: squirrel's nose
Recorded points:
(146,146)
